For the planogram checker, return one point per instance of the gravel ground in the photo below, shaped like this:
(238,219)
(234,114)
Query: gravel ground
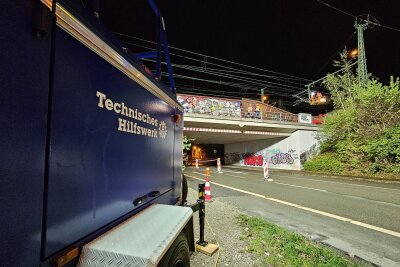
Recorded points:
(221,217)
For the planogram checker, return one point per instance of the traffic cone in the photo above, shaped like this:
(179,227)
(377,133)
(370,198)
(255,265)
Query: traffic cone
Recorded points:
(207,188)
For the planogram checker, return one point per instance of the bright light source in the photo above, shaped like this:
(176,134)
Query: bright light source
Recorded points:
(353,53)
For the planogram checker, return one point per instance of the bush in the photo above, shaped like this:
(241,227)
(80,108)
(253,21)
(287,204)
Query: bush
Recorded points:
(384,151)
(324,163)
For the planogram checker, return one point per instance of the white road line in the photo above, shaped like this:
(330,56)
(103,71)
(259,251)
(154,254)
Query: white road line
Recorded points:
(317,180)
(332,182)
(323,213)
(233,188)
(202,174)
(242,169)
(224,169)
(305,187)
(234,175)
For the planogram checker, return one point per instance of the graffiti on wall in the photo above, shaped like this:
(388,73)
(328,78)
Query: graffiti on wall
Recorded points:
(252,159)
(282,158)
(308,154)
(258,158)
(210,106)
(232,158)
(249,159)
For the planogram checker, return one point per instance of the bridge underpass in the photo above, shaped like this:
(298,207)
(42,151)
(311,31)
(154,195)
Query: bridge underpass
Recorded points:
(247,141)
(224,130)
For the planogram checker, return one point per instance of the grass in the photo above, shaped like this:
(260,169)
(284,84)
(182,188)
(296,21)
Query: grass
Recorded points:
(277,246)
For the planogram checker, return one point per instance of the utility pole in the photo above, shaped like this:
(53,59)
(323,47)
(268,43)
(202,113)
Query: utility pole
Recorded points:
(361,25)
(262,95)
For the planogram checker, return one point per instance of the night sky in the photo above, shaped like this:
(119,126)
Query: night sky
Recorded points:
(299,38)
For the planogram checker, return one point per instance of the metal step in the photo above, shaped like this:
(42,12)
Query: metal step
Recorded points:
(139,241)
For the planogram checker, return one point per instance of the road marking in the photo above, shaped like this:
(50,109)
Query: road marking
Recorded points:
(310,179)
(323,213)
(326,191)
(317,180)
(202,174)
(229,187)
(234,175)
(305,187)
(215,168)
(249,168)
(332,182)
(234,172)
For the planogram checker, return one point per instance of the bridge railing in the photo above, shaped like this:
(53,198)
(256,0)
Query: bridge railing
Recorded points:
(270,115)
(246,109)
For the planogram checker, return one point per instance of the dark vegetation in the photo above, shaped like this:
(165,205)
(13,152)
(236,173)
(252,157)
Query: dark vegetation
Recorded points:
(361,136)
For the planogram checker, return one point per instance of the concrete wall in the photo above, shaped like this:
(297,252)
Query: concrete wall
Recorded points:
(281,153)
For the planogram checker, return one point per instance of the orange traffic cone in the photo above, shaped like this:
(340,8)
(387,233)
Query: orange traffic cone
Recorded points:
(207,188)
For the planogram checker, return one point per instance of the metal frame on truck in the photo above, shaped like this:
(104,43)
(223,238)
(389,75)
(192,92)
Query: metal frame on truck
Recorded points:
(91,145)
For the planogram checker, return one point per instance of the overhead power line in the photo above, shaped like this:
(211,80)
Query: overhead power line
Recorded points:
(231,84)
(331,58)
(387,27)
(197,60)
(234,77)
(226,78)
(215,58)
(337,9)
(354,16)
(260,83)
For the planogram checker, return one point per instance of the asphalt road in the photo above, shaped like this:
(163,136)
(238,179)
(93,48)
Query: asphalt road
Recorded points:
(359,217)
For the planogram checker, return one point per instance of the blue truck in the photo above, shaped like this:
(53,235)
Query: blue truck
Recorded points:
(91,145)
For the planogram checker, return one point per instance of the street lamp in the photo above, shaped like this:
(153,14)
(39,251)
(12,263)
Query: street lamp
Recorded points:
(353,53)
(264,99)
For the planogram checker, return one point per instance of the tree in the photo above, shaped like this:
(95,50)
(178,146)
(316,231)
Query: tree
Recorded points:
(187,144)
(363,129)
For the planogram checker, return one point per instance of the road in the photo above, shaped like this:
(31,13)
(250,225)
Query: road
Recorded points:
(359,217)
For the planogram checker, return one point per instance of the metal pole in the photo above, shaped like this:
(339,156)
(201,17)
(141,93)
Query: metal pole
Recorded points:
(362,62)
(262,95)
(202,215)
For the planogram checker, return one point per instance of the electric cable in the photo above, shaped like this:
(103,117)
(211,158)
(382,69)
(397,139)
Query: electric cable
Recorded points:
(347,13)
(241,78)
(330,59)
(238,85)
(219,59)
(337,9)
(193,59)
(254,85)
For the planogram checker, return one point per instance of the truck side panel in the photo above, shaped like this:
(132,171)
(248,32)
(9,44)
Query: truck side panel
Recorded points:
(178,161)
(111,143)
(24,84)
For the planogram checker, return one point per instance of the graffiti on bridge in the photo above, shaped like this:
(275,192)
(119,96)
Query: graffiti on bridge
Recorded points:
(282,158)
(253,160)
(257,159)
(209,106)
(232,158)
